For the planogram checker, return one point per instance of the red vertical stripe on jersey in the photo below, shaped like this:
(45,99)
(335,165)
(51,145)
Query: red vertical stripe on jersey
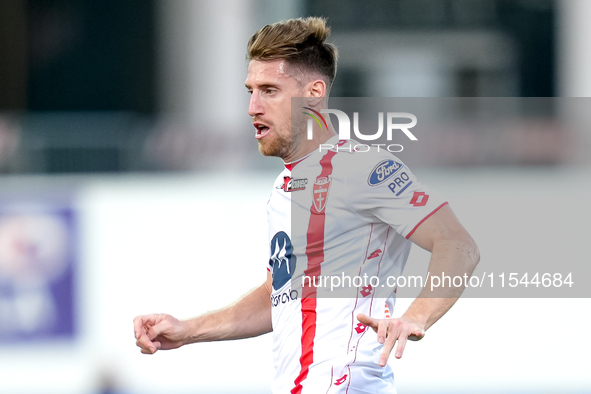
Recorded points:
(315,254)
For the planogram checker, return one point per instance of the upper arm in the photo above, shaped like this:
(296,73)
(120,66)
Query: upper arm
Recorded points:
(386,190)
(269,283)
(442,226)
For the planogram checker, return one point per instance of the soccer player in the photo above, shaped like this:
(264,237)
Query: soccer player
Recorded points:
(330,212)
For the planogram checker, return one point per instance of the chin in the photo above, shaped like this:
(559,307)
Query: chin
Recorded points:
(266,150)
(272,149)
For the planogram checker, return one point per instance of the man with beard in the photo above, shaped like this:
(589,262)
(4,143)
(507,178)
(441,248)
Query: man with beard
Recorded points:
(355,219)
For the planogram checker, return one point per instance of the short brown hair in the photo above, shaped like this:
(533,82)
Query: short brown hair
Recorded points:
(301,42)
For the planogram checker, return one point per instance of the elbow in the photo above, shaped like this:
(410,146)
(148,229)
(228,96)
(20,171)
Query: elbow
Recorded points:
(473,254)
(468,252)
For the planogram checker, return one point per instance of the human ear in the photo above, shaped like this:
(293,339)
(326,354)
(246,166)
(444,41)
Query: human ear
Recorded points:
(316,91)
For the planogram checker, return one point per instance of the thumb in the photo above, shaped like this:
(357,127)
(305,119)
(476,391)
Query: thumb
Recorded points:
(157,329)
(368,321)
(416,334)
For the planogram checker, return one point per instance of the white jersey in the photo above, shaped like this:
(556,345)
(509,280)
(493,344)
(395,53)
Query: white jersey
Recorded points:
(337,214)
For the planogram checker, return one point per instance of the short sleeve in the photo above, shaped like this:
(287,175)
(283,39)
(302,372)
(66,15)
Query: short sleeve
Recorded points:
(389,191)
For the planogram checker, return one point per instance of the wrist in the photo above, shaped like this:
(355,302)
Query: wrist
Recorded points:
(418,313)
(191,332)
(418,319)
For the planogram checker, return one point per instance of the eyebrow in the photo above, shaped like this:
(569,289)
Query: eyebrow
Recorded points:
(263,86)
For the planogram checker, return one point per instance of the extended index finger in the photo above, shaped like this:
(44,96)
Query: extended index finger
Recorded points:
(392,334)
(368,321)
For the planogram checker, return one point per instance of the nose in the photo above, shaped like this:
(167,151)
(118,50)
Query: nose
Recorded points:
(255,108)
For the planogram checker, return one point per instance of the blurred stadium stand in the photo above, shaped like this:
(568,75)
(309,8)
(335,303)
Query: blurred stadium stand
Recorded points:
(126,86)
(483,48)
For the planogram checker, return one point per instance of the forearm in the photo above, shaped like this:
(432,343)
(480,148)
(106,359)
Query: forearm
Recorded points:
(249,317)
(450,258)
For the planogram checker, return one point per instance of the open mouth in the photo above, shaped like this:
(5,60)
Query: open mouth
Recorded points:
(261,131)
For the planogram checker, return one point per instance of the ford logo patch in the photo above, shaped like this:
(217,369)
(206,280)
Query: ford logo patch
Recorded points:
(383,172)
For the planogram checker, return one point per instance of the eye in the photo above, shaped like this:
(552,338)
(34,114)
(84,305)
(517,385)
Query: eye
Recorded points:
(270,91)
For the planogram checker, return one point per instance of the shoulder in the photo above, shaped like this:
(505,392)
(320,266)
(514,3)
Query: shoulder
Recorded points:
(281,183)
(372,164)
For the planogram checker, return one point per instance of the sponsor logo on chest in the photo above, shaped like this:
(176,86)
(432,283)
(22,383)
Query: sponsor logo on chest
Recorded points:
(293,185)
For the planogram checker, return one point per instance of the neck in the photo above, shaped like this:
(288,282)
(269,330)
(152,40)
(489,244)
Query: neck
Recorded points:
(305,146)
